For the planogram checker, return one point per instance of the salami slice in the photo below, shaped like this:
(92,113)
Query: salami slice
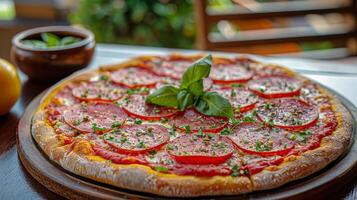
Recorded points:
(241,99)
(193,121)
(171,68)
(135,106)
(97,91)
(94,117)
(233,73)
(200,149)
(275,86)
(255,138)
(134,77)
(137,139)
(288,113)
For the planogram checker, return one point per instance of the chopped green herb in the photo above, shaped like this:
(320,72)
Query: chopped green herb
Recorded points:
(163,120)
(237,85)
(200,133)
(96,128)
(226,131)
(116,125)
(258,146)
(141,145)
(138,121)
(187,128)
(104,77)
(235,171)
(170,147)
(152,152)
(161,169)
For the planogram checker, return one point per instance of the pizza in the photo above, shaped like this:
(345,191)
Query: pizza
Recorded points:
(280,126)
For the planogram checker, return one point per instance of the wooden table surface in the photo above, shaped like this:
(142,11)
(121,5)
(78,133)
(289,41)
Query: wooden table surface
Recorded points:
(16,183)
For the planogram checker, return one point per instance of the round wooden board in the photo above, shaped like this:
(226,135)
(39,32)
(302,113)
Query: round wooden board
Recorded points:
(72,186)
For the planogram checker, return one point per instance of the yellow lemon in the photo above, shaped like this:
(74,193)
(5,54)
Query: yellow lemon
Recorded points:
(10,86)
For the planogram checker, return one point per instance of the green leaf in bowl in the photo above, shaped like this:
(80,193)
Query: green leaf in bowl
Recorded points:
(69,40)
(51,39)
(38,44)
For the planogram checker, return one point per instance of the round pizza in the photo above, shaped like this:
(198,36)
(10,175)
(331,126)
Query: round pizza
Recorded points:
(191,125)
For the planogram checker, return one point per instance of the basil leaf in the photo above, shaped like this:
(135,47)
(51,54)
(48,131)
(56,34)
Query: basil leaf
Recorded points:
(51,39)
(164,96)
(35,44)
(212,104)
(184,99)
(196,72)
(196,88)
(69,40)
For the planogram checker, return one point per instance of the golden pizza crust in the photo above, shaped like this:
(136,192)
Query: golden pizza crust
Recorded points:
(79,159)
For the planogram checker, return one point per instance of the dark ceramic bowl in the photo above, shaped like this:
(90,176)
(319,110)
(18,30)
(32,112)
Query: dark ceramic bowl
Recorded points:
(54,63)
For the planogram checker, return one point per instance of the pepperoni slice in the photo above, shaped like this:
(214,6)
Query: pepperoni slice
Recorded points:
(135,106)
(193,121)
(255,138)
(288,113)
(134,77)
(137,139)
(94,117)
(200,149)
(97,91)
(275,86)
(241,99)
(171,68)
(232,73)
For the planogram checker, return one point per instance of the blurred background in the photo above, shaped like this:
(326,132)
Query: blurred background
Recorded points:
(321,29)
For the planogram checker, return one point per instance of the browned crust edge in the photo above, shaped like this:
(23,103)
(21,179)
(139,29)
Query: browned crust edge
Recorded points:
(142,178)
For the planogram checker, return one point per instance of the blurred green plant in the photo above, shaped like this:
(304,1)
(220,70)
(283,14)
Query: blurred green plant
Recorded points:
(168,23)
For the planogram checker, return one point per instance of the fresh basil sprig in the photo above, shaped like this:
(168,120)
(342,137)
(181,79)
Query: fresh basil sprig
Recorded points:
(191,92)
(50,40)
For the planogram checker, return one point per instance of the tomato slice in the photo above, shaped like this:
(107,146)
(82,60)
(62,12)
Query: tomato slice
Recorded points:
(255,138)
(193,121)
(275,86)
(201,149)
(241,99)
(135,106)
(137,139)
(94,117)
(230,73)
(134,77)
(288,113)
(97,91)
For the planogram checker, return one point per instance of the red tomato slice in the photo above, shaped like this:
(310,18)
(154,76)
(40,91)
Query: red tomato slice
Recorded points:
(94,117)
(255,138)
(97,91)
(193,121)
(288,113)
(241,99)
(135,106)
(201,149)
(275,86)
(137,139)
(134,77)
(230,73)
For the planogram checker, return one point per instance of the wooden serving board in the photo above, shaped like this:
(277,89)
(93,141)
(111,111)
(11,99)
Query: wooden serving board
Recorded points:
(72,186)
